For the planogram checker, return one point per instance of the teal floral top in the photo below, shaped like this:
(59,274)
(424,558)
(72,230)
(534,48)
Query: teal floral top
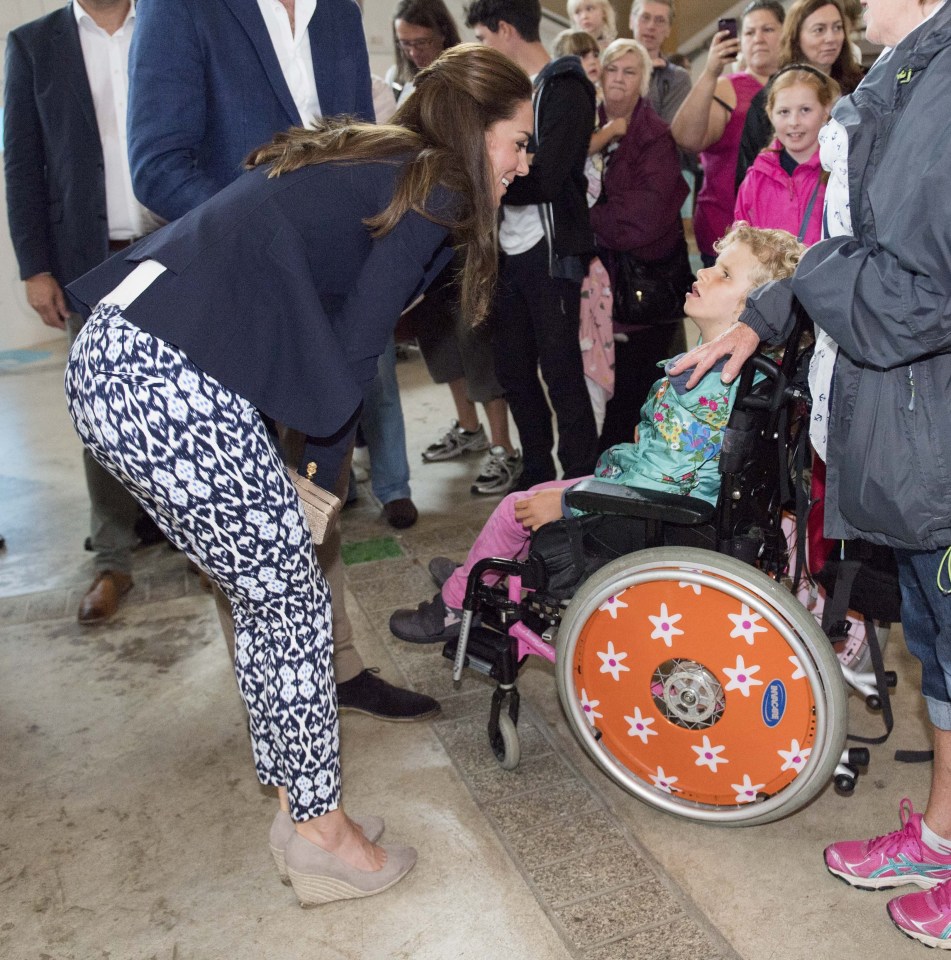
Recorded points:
(679,440)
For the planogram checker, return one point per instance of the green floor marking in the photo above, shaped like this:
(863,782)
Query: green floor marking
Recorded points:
(363,551)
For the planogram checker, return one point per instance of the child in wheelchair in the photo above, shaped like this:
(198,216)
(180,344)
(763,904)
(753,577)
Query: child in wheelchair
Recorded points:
(676,446)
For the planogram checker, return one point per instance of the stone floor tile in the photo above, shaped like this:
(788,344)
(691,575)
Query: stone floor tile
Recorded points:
(404,589)
(680,939)
(564,837)
(490,782)
(610,915)
(592,872)
(531,809)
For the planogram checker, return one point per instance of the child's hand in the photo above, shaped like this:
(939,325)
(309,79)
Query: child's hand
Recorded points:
(637,434)
(618,127)
(538,509)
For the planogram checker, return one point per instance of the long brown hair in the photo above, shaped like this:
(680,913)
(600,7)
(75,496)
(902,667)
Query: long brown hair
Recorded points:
(441,129)
(845,71)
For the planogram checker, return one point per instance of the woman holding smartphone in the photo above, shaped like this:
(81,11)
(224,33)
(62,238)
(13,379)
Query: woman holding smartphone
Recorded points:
(710,121)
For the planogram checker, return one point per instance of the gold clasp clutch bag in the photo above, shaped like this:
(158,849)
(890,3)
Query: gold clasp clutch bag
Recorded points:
(320,506)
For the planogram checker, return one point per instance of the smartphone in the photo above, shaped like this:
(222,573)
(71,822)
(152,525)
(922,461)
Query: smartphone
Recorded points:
(728,24)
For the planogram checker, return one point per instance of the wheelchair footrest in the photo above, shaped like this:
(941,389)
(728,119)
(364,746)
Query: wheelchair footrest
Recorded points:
(484,652)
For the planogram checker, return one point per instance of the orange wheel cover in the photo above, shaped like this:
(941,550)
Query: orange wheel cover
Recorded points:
(714,647)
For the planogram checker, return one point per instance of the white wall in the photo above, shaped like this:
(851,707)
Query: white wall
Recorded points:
(19,325)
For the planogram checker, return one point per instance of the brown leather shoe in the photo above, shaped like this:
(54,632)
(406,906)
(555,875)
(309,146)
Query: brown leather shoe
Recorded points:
(102,598)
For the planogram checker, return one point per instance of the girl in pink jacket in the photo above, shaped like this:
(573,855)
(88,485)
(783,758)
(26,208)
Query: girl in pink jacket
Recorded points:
(785,187)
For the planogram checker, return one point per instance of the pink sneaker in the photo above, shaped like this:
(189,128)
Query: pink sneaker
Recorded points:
(890,861)
(925,915)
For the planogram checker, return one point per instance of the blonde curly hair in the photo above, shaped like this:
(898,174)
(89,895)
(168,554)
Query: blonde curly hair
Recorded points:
(777,251)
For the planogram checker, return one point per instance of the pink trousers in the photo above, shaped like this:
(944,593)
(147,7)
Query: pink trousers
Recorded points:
(502,536)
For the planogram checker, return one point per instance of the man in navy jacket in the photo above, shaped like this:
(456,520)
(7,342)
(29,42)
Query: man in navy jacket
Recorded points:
(206,87)
(69,204)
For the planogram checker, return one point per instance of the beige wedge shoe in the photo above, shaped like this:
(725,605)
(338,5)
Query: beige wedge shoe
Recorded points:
(321,877)
(282,829)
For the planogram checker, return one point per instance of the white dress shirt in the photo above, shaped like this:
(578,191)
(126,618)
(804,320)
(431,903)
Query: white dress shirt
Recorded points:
(293,52)
(107,69)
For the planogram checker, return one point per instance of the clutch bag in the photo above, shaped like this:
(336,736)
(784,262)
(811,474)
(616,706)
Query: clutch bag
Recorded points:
(320,506)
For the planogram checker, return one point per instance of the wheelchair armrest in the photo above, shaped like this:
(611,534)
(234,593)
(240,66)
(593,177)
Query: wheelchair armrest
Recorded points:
(596,496)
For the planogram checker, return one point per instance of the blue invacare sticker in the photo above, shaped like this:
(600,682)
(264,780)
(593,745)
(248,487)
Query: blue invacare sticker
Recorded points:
(774,703)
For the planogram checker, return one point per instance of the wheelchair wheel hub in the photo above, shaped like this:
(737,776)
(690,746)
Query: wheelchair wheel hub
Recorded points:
(688,694)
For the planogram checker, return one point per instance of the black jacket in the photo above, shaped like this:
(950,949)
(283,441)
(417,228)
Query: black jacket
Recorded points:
(756,136)
(56,187)
(564,121)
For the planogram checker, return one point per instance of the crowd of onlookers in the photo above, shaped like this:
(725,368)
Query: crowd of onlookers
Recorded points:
(255,329)
(622,140)
(658,146)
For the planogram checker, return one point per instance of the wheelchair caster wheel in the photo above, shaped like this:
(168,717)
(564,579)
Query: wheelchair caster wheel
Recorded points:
(873,702)
(858,757)
(505,743)
(891,679)
(701,686)
(845,784)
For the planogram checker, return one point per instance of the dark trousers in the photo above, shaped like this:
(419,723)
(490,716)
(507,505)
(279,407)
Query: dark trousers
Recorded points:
(535,324)
(635,370)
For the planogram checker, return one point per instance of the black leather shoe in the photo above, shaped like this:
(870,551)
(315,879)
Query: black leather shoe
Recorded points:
(400,513)
(367,693)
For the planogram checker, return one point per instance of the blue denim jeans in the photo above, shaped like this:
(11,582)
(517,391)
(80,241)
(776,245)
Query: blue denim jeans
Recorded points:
(385,432)
(926,621)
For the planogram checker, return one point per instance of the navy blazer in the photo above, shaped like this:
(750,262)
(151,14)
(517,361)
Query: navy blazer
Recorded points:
(206,88)
(276,288)
(55,179)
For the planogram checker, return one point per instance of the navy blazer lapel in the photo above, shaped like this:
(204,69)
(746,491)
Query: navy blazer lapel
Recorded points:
(249,16)
(68,58)
(322,37)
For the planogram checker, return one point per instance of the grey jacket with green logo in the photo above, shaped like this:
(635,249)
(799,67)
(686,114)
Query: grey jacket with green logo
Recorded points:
(884,296)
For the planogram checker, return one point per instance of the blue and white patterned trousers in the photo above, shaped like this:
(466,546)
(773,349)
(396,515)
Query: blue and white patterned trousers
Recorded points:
(199,459)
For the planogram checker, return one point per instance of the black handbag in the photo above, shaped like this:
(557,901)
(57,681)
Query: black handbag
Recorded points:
(573,548)
(649,292)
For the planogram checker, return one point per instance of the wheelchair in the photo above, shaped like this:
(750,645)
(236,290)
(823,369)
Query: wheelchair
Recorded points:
(687,669)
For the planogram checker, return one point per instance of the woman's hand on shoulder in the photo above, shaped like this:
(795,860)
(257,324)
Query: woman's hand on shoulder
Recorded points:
(538,509)
(738,342)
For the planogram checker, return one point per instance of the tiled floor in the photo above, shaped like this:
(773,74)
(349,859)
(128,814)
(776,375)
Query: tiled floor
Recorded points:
(131,825)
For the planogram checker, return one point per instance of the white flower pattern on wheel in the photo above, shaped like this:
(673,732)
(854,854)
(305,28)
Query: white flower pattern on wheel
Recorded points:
(611,661)
(640,726)
(747,790)
(709,755)
(588,706)
(746,624)
(795,757)
(741,677)
(612,605)
(663,782)
(665,625)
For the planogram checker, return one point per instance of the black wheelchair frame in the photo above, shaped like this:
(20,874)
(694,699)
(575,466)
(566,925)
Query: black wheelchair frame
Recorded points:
(506,622)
